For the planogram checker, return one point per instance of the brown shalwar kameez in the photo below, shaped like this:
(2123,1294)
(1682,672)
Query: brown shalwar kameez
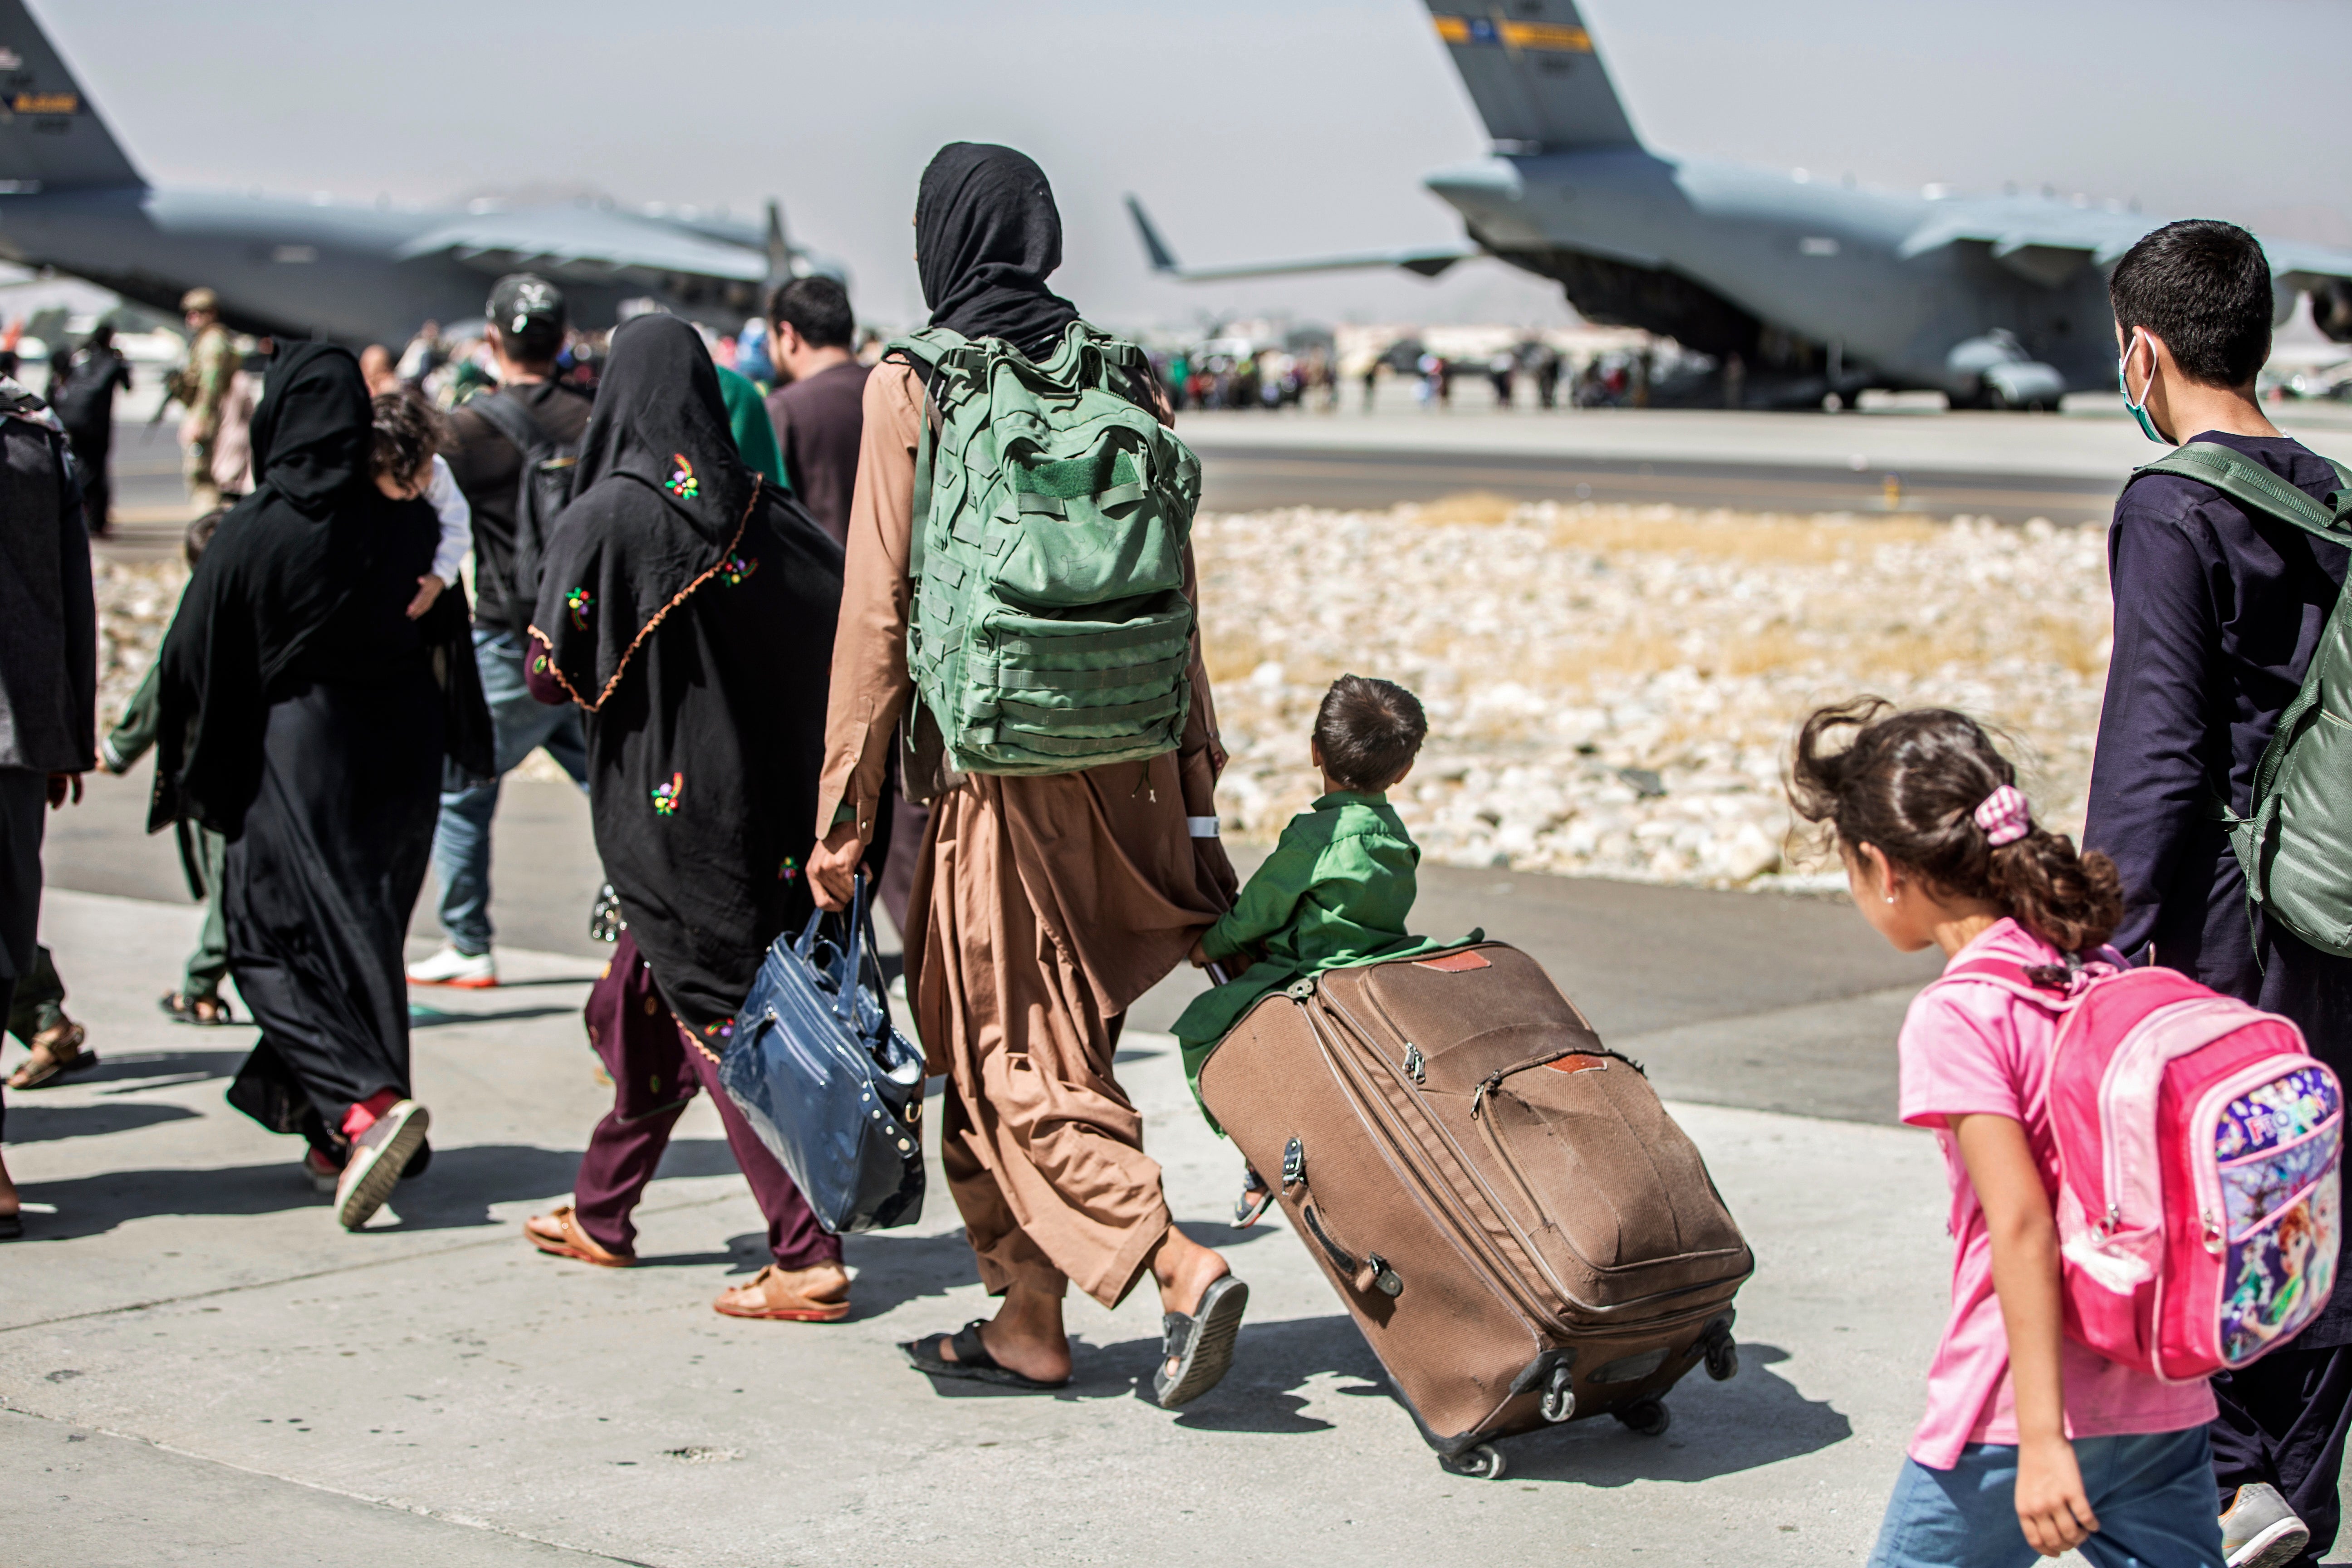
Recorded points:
(1042,908)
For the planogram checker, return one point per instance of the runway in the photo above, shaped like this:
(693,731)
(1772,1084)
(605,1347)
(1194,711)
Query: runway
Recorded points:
(1235,479)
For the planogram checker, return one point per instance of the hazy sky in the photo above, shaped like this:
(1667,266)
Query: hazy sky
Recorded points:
(1253,129)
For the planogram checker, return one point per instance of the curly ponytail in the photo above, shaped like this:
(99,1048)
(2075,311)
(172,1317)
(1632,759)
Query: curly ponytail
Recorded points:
(1910,782)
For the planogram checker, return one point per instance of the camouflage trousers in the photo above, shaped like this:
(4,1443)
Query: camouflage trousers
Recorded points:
(196,468)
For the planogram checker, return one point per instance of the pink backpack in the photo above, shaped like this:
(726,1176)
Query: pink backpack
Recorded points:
(2198,1145)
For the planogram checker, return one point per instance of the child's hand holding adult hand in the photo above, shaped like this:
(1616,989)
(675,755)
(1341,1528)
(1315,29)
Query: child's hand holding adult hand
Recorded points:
(2052,1506)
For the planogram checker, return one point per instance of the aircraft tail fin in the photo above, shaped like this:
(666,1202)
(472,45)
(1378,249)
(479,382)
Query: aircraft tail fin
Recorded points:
(1155,249)
(1535,76)
(50,135)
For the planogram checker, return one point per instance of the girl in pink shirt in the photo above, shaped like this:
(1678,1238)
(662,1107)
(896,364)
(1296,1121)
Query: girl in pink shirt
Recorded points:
(2031,1443)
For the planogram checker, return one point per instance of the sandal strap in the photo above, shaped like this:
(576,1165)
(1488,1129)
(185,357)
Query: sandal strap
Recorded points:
(968,1346)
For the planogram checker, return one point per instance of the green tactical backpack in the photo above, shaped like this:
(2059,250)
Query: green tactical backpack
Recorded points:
(1050,631)
(2294,840)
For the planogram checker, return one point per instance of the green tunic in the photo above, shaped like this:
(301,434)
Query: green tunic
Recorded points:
(747,420)
(1336,891)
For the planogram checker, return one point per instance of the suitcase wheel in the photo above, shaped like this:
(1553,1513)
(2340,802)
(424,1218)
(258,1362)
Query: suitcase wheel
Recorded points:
(1723,1359)
(1650,1418)
(1482,1463)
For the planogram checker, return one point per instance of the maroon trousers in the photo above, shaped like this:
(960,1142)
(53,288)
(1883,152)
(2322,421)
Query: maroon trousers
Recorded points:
(656,1070)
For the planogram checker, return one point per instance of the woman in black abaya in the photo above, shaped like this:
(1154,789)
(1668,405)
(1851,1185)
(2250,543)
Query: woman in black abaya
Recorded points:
(690,609)
(303,719)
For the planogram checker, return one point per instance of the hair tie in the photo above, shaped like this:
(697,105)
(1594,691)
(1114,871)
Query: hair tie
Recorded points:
(2004,816)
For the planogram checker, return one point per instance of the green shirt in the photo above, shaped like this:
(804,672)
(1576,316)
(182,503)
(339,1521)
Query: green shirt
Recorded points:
(1336,891)
(747,419)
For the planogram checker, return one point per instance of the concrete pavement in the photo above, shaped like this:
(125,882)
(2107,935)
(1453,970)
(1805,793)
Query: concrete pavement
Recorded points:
(198,1367)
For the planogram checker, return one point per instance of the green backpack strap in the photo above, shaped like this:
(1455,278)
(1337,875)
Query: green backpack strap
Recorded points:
(2257,489)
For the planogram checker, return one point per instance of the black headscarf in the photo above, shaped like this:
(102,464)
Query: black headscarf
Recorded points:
(987,234)
(282,568)
(691,609)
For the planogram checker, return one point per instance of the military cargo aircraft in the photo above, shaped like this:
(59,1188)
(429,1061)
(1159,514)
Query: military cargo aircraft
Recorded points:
(72,199)
(1823,289)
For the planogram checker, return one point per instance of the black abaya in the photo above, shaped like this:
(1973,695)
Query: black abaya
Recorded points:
(303,718)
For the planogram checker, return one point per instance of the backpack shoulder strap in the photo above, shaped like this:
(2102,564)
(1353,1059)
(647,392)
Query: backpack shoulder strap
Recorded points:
(2253,486)
(510,420)
(2014,978)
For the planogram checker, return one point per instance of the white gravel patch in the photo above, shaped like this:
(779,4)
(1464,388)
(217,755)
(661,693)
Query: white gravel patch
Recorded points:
(1611,689)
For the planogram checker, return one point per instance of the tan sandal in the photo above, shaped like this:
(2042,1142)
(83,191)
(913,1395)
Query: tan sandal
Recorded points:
(767,1295)
(56,1053)
(559,1234)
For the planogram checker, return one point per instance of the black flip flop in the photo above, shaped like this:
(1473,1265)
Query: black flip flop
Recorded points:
(1256,1199)
(973,1361)
(12,1227)
(1201,1343)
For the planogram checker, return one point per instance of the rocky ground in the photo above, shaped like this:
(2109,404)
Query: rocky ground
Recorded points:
(1611,689)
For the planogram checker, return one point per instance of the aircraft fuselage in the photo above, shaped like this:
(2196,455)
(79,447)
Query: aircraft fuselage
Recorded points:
(1855,270)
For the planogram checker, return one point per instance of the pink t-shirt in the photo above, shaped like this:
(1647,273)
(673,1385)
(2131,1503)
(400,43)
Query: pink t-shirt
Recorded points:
(1967,1049)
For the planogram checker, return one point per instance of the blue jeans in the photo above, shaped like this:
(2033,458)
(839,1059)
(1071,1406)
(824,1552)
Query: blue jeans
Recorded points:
(2153,1495)
(520,724)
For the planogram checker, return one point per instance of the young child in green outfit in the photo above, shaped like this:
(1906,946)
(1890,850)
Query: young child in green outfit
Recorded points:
(1338,886)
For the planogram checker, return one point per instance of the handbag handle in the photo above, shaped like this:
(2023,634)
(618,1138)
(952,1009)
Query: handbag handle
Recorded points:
(859,949)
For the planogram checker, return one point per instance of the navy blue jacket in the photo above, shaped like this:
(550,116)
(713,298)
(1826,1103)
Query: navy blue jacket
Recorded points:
(2217,616)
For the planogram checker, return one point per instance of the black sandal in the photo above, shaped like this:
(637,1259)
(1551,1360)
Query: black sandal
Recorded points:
(1256,1199)
(183,1008)
(12,1227)
(1201,1343)
(973,1361)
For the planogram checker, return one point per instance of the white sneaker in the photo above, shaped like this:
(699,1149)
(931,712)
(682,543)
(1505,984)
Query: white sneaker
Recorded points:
(466,971)
(378,1157)
(2260,1531)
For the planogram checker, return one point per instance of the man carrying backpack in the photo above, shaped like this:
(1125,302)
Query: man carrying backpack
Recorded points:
(2225,581)
(511,453)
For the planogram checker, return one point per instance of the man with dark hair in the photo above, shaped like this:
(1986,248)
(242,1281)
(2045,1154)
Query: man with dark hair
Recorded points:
(527,320)
(2218,611)
(818,407)
(82,393)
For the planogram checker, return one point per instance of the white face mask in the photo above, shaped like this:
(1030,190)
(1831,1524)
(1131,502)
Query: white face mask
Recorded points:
(2139,410)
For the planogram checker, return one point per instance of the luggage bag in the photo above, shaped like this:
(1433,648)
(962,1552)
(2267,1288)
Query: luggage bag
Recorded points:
(1519,1229)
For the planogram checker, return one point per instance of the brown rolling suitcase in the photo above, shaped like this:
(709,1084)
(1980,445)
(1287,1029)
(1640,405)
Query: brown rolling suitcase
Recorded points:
(1520,1230)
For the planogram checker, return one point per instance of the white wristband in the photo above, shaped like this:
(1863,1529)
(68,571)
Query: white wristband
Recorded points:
(1200,826)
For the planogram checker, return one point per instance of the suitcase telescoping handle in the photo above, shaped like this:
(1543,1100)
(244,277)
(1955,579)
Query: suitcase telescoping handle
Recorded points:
(1369,1273)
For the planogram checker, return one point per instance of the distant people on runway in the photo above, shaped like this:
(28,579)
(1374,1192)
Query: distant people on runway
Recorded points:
(489,439)
(82,393)
(201,386)
(48,681)
(687,609)
(304,715)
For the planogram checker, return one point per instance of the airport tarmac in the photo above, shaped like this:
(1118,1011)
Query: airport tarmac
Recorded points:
(2008,467)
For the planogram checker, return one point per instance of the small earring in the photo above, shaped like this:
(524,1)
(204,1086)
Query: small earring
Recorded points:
(1890,897)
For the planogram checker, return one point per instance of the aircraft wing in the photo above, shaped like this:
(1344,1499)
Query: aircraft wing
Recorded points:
(2045,241)
(586,243)
(1427,260)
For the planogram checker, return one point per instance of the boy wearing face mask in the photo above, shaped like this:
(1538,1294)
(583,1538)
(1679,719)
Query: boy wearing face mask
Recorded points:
(2218,611)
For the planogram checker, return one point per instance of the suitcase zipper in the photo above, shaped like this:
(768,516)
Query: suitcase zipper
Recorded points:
(1504,1278)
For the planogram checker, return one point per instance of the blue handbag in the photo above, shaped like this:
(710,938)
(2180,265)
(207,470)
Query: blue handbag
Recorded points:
(835,1092)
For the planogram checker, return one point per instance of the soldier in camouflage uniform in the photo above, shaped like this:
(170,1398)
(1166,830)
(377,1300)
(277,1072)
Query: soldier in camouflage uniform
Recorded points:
(201,387)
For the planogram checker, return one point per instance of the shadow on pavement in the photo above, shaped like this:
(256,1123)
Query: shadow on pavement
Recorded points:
(161,1069)
(1719,1428)
(424,1017)
(455,1194)
(43,1123)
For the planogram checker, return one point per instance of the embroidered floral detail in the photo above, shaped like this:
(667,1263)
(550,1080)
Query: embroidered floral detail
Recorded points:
(580,602)
(738,567)
(539,664)
(790,869)
(682,482)
(722,1030)
(665,796)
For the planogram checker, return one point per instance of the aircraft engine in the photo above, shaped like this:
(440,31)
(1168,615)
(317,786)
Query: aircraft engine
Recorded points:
(2331,308)
(1995,369)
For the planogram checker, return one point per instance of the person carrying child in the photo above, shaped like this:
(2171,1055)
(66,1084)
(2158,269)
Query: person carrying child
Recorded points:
(2220,609)
(1338,886)
(2030,1442)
